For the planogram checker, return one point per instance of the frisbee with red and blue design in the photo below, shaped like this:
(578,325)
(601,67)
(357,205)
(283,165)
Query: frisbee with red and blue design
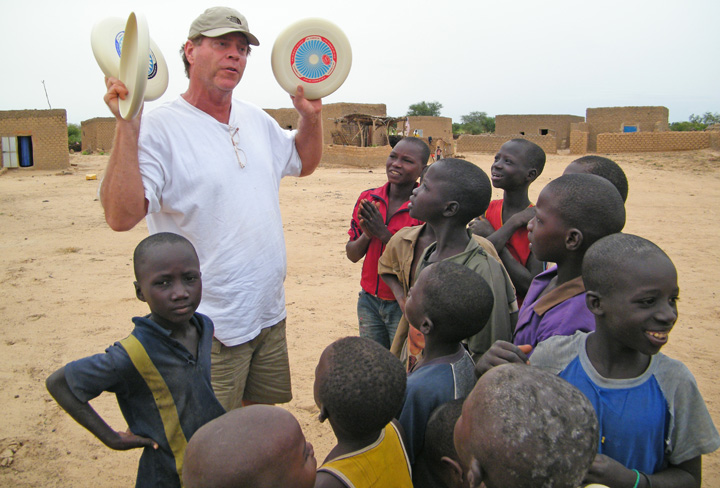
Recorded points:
(313,53)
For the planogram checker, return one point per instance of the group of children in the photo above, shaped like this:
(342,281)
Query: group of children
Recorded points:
(572,388)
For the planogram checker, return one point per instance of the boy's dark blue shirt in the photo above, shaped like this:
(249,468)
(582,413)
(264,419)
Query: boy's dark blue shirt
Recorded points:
(187,378)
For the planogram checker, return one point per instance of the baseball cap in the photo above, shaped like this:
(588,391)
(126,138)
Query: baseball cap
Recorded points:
(218,21)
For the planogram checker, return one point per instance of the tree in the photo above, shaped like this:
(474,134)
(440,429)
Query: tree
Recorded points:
(474,123)
(697,122)
(74,137)
(425,108)
(477,123)
(74,133)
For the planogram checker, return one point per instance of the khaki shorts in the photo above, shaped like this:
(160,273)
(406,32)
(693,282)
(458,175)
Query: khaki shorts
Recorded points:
(257,371)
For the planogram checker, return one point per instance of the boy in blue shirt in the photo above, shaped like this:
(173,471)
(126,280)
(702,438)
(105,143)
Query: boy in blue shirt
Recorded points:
(160,373)
(654,425)
(448,303)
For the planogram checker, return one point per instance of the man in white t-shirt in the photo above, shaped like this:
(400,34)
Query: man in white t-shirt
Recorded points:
(208,167)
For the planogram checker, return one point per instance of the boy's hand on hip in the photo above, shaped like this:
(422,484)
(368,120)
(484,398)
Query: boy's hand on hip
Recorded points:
(128,440)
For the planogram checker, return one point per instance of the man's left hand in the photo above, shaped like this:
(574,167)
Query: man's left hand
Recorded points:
(305,107)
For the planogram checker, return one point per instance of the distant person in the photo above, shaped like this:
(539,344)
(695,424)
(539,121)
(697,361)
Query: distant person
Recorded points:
(160,374)
(438,464)
(438,153)
(523,427)
(517,165)
(654,424)
(259,446)
(453,191)
(448,303)
(378,214)
(359,388)
(572,212)
(208,166)
(598,165)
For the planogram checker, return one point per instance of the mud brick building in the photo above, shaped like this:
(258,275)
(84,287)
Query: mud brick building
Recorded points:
(34,139)
(98,134)
(557,126)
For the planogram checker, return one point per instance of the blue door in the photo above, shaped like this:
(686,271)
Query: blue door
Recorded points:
(25,151)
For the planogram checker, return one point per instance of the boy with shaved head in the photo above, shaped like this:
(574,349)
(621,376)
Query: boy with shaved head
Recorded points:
(259,446)
(160,373)
(524,427)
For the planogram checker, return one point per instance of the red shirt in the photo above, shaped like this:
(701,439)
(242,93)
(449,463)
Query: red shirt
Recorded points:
(370,281)
(518,244)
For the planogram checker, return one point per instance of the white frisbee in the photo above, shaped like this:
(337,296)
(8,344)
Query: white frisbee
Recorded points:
(106,40)
(313,53)
(134,64)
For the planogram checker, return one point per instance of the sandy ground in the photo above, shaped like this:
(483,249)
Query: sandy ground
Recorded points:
(67,293)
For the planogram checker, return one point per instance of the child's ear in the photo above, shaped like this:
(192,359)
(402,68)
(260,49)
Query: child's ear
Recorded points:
(531,175)
(454,469)
(138,291)
(573,239)
(451,208)
(593,301)
(427,326)
(323,415)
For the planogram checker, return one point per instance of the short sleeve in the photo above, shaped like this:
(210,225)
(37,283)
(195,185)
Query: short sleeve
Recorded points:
(389,262)
(90,376)
(692,432)
(554,354)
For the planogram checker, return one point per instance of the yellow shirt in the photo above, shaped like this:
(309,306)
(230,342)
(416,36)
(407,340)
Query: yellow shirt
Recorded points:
(382,463)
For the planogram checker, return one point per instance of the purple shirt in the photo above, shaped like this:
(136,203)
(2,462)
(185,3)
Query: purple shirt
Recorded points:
(561,311)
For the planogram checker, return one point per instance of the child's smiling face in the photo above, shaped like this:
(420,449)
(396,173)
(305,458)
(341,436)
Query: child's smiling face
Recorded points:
(404,164)
(640,309)
(510,170)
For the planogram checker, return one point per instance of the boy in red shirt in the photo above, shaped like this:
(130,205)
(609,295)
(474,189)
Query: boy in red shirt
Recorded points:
(378,214)
(517,164)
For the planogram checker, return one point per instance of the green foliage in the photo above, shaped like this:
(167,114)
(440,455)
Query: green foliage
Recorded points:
(475,123)
(687,126)
(697,122)
(425,108)
(74,133)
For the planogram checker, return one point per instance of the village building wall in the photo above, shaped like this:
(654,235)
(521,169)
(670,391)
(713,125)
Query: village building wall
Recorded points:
(47,131)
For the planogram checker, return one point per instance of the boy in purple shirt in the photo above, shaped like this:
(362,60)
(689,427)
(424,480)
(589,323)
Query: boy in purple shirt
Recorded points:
(572,212)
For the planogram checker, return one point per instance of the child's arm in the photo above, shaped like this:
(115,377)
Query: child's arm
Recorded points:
(610,472)
(521,276)
(396,287)
(501,236)
(86,416)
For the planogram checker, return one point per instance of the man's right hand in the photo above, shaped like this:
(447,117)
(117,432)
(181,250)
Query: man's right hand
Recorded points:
(116,91)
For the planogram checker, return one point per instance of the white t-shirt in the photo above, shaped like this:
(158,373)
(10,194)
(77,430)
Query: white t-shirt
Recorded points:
(196,187)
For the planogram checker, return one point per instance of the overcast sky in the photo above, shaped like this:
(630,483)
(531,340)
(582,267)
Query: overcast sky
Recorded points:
(499,57)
